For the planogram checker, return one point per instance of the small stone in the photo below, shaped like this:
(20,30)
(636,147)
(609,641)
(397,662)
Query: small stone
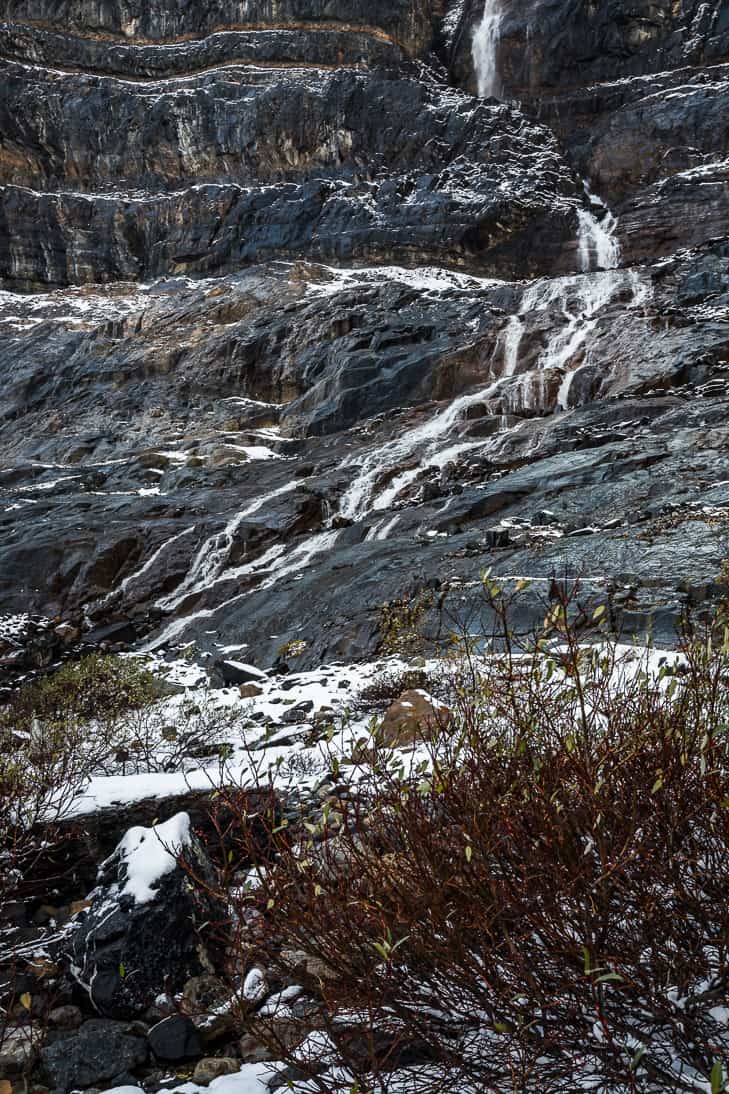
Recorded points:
(68,633)
(45,914)
(253,1051)
(67,1017)
(212,1067)
(298,714)
(249,691)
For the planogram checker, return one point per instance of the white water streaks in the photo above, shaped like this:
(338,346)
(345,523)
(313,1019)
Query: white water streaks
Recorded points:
(144,569)
(597,244)
(571,307)
(275,564)
(209,562)
(423,441)
(484,49)
(579,299)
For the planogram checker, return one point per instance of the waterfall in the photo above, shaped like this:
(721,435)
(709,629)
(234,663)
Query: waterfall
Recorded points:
(483,50)
(597,244)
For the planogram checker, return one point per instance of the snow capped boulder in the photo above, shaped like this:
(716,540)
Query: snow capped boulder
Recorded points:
(237,672)
(140,936)
(412,717)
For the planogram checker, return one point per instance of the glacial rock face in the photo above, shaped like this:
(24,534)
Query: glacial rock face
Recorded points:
(294,324)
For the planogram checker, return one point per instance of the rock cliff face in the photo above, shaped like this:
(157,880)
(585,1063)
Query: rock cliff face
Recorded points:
(293,322)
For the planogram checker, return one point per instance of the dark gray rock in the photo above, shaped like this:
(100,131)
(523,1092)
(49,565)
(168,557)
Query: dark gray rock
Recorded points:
(94,1054)
(237,672)
(135,499)
(175,1039)
(127,951)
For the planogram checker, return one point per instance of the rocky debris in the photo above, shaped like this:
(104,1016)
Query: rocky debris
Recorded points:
(411,718)
(99,1052)
(141,935)
(206,1000)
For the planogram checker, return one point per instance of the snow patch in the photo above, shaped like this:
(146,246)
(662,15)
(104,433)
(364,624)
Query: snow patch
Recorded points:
(150,853)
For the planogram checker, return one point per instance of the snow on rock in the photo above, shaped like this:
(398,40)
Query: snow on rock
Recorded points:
(150,853)
(141,934)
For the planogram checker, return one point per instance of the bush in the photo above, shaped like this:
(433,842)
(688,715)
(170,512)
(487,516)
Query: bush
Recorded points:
(99,716)
(95,687)
(535,901)
(389,686)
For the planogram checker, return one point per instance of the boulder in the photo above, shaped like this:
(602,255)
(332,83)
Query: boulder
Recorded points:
(95,1054)
(175,1039)
(236,672)
(250,691)
(141,936)
(411,718)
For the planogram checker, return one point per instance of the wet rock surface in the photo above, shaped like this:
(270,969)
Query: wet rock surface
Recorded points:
(238,408)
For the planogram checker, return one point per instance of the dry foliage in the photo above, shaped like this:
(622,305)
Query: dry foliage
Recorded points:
(534,901)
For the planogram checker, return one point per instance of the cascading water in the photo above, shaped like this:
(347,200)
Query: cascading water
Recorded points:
(484,48)
(210,561)
(597,244)
(579,300)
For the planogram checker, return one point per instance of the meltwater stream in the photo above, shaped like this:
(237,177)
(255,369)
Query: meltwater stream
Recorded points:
(574,305)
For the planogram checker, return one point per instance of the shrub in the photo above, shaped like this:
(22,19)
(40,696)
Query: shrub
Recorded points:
(389,685)
(99,716)
(534,901)
(95,687)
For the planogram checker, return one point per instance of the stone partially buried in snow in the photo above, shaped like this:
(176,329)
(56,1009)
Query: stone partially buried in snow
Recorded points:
(140,936)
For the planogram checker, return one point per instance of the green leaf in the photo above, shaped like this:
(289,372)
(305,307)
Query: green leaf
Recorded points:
(657,785)
(608,976)
(122,970)
(638,1057)
(469,852)
(717,1077)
